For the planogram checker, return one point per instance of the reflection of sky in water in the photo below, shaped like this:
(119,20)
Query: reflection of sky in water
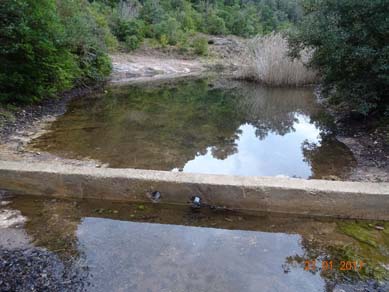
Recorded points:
(129,256)
(274,155)
(248,130)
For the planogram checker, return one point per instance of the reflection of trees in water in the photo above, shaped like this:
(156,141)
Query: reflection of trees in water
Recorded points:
(328,158)
(53,224)
(267,109)
(227,147)
(335,245)
(275,109)
(163,127)
(158,127)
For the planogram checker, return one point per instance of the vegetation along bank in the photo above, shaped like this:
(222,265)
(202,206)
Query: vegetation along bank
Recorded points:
(48,47)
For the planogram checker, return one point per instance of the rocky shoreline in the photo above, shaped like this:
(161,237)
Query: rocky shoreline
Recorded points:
(36,269)
(29,122)
(368,140)
(26,116)
(370,147)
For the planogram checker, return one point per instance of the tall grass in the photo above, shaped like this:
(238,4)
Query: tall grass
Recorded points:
(265,60)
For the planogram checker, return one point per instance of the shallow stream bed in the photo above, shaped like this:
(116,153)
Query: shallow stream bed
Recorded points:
(202,126)
(67,245)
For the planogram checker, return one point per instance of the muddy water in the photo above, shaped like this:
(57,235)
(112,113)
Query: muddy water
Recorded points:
(154,247)
(205,126)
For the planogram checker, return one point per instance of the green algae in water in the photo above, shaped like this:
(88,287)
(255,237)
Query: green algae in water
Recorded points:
(359,231)
(373,247)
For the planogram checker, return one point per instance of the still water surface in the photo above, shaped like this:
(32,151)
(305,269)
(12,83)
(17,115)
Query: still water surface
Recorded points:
(157,247)
(202,126)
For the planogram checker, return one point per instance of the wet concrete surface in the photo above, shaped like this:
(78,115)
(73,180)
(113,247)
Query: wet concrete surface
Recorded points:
(102,246)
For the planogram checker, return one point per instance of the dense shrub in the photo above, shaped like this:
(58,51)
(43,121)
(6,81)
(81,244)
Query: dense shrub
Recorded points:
(33,55)
(164,41)
(200,46)
(132,42)
(131,27)
(214,24)
(188,18)
(351,50)
(48,46)
(102,14)
(242,21)
(85,39)
(152,12)
(171,29)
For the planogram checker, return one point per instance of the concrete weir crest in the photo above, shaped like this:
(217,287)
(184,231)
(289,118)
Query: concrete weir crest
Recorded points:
(272,194)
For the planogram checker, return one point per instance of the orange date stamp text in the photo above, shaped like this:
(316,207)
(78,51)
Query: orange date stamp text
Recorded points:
(312,265)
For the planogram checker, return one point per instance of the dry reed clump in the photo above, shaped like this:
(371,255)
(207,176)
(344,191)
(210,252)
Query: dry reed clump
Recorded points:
(265,60)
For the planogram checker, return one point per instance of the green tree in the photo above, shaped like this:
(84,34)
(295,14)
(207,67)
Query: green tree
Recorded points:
(200,46)
(132,42)
(33,55)
(152,12)
(171,29)
(242,21)
(351,50)
(124,28)
(85,38)
(214,24)
(48,46)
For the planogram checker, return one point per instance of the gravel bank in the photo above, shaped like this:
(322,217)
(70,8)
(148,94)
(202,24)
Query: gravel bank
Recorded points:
(36,269)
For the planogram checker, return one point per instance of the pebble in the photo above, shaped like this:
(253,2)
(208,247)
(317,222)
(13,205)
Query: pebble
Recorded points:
(36,269)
